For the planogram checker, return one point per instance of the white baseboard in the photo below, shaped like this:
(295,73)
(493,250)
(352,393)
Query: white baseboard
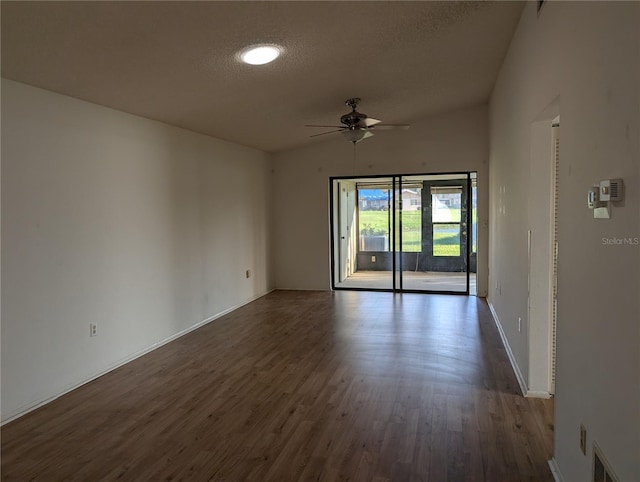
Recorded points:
(555,470)
(39,403)
(514,364)
(537,394)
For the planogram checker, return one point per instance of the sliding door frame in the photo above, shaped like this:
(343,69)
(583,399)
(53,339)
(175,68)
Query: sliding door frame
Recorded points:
(395,207)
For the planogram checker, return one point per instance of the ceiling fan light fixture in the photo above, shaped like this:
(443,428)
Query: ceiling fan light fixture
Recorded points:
(356,135)
(260,54)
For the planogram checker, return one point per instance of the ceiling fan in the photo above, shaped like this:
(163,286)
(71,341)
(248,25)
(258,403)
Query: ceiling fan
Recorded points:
(357,126)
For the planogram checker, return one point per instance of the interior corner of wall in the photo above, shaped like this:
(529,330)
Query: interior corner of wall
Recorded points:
(524,389)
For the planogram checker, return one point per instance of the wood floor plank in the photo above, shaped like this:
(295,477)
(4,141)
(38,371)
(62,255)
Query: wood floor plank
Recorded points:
(302,386)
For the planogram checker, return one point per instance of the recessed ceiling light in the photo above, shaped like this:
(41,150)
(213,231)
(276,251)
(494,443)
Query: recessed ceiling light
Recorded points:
(260,54)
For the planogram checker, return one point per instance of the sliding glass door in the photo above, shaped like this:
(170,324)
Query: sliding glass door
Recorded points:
(402,233)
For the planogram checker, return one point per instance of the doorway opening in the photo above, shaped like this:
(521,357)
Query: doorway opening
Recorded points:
(410,233)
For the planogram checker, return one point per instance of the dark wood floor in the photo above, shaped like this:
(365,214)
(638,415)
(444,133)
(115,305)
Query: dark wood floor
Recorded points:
(302,386)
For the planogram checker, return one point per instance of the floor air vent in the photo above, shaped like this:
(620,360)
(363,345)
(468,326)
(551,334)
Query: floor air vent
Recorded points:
(602,471)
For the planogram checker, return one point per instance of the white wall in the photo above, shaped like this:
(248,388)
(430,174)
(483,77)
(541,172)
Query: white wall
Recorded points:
(108,218)
(587,55)
(452,142)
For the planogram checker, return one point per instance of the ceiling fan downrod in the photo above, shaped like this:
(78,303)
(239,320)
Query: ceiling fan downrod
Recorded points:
(353,119)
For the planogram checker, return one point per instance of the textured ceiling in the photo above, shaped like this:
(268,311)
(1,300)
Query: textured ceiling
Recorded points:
(175,61)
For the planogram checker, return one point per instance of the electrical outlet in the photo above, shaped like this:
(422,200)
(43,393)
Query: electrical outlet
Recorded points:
(373,259)
(583,440)
(248,273)
(519,324)
(93,329)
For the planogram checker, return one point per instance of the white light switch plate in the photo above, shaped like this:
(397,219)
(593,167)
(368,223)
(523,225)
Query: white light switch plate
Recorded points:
(601,213)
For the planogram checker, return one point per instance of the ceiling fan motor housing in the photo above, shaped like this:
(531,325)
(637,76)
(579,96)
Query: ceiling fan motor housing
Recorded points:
(354,118)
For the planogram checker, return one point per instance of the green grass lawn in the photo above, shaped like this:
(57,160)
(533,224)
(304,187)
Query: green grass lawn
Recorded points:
(377,222)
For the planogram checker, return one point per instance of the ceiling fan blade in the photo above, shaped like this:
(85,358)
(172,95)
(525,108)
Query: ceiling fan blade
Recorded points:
(391,126)
(318,125)
(325,133)
(367,122)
